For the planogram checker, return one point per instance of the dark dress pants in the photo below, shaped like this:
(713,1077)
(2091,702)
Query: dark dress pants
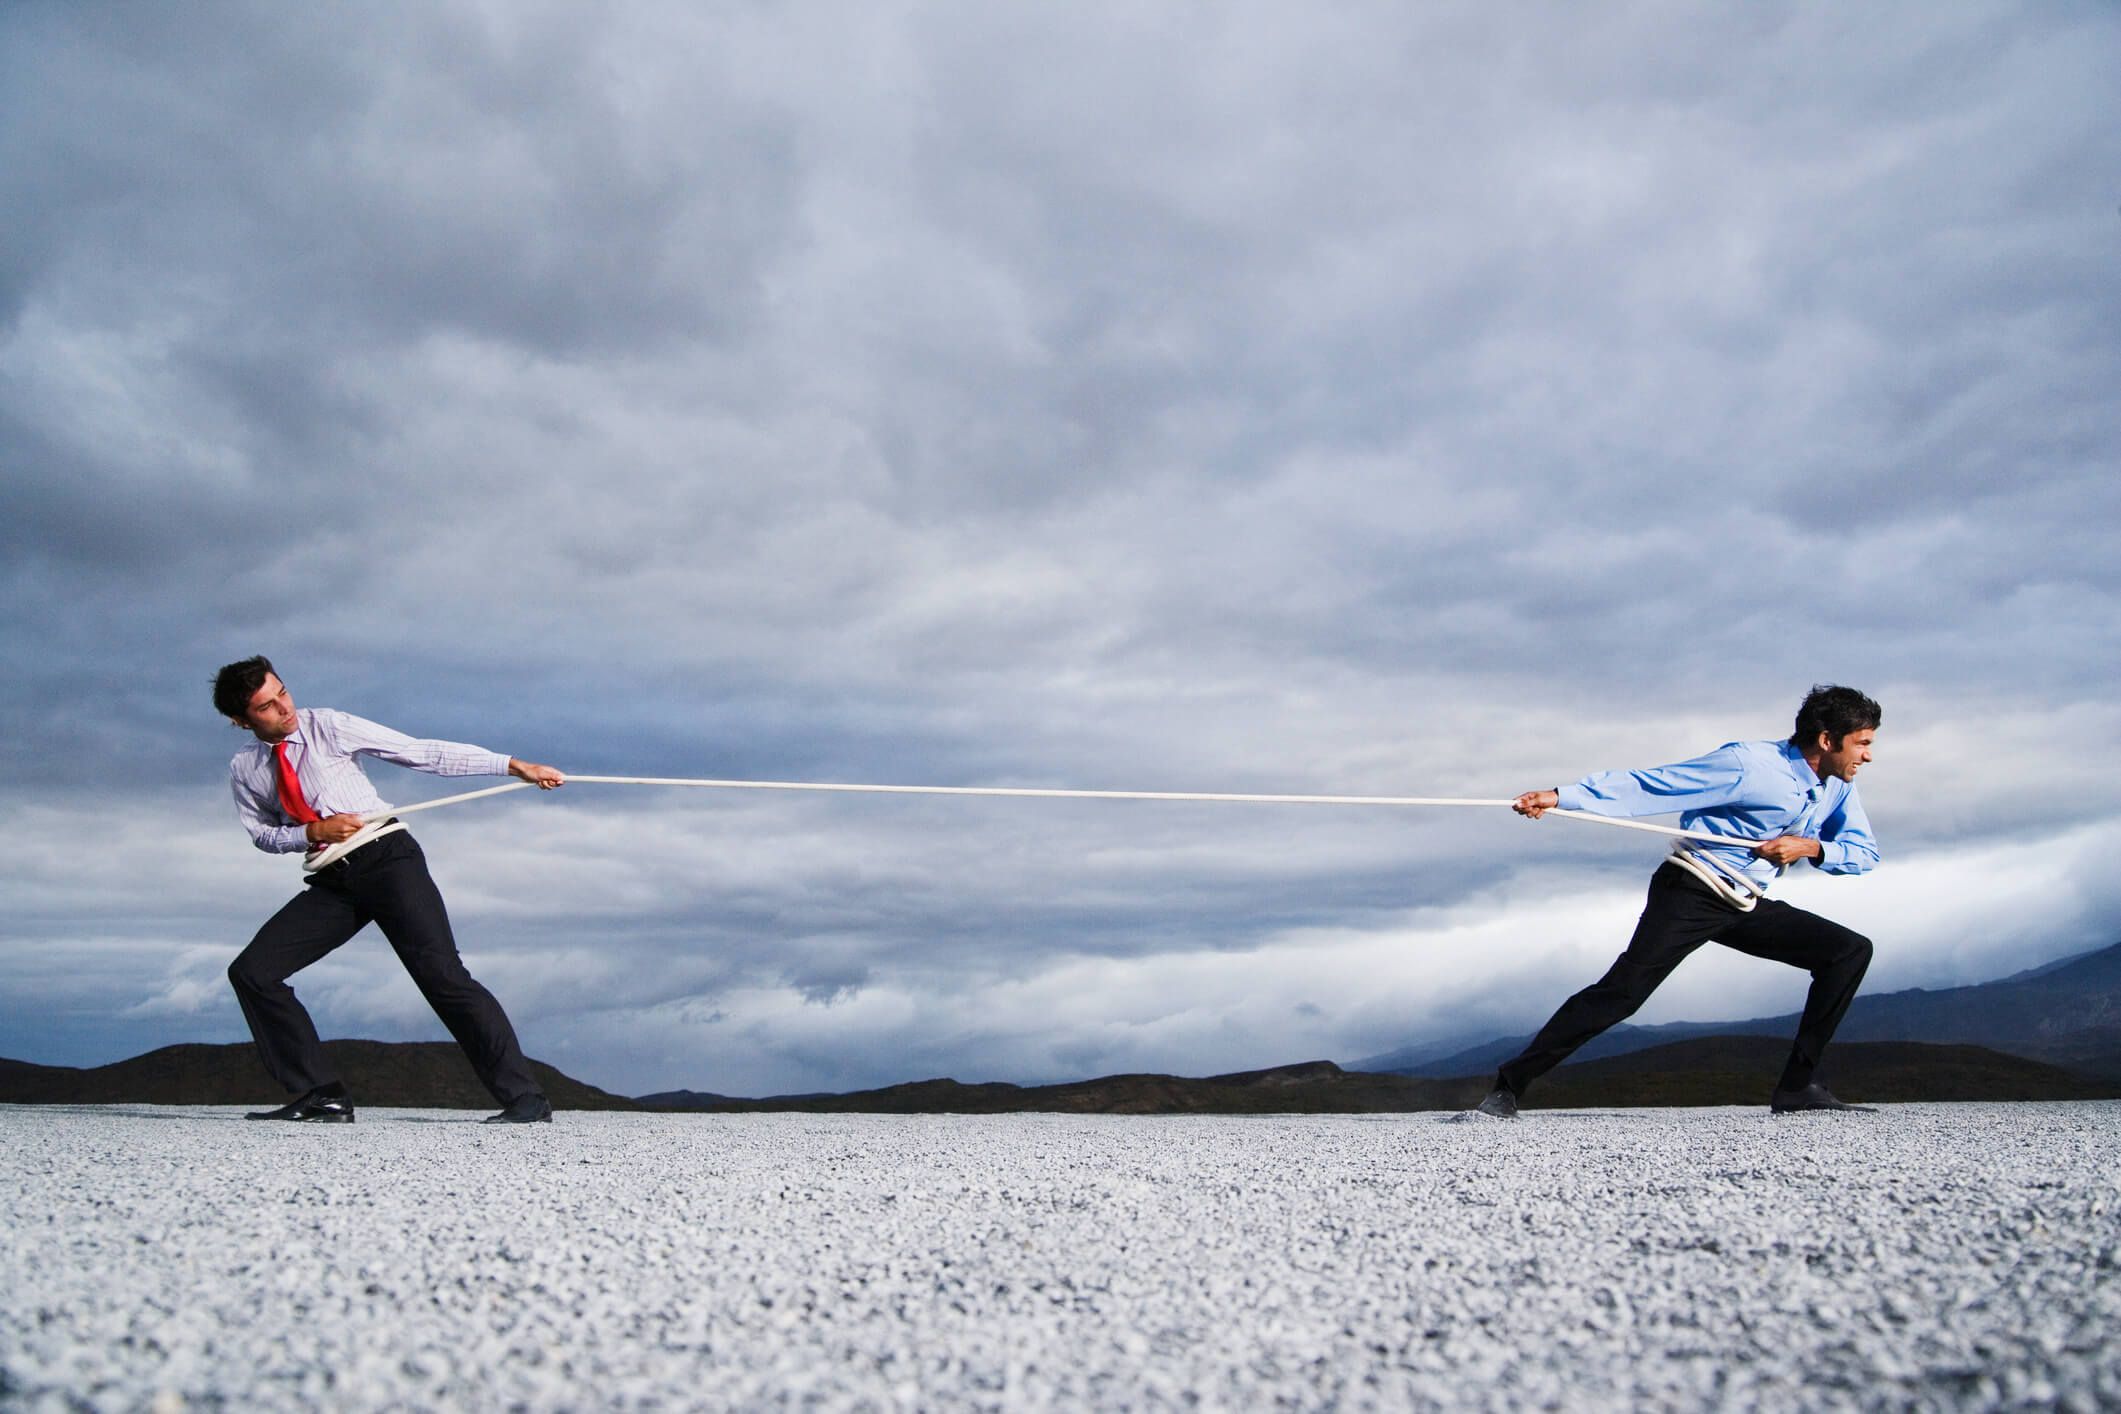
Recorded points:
(385,883)
(1681,915)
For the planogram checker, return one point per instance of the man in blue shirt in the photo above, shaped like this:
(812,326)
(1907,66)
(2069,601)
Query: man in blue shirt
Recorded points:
(1778,802)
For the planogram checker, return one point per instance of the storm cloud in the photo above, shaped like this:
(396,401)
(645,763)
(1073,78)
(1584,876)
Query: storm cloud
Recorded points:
(1184,397)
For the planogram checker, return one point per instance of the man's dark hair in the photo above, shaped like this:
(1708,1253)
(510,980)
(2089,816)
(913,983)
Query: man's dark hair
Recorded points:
(1837,711)
(237,683)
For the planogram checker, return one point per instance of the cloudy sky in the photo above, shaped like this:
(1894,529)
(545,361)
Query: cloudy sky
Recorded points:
(1200,397)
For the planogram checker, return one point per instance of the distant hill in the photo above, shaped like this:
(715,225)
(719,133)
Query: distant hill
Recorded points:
(1723,1070)
(413,1074)
(2104,1067)
(1716,1070)
(1312,1087)
(1741,1070)
(679,1100)
(2066,1013)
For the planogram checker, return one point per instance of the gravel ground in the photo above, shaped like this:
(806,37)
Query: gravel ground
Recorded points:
(1932,1255)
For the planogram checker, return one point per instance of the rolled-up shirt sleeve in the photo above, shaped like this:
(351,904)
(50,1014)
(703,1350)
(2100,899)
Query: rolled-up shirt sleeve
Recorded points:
(1700,784)
(1846,844)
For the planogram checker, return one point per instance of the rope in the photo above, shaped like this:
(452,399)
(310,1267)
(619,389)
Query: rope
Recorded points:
(372,823)
(1732,884)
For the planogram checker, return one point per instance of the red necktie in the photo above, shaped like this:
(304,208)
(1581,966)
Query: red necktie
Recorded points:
(291,787)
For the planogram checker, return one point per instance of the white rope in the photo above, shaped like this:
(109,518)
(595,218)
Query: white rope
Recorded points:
(379,823)
(318,859)
(1732,884)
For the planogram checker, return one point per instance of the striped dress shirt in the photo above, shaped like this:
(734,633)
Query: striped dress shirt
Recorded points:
(322,747)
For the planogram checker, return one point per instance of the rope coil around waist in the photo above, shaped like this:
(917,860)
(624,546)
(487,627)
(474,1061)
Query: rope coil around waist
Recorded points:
(324,856)
(1730,883)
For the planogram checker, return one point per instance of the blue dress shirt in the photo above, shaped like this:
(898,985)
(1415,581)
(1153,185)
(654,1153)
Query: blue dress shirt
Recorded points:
(1750,790)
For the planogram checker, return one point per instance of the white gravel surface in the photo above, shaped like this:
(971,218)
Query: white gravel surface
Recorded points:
(1931,1255)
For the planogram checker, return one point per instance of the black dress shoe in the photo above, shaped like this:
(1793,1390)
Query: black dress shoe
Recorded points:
(1500,1103)
(526,1109)
(314,1108)
(1813,1097)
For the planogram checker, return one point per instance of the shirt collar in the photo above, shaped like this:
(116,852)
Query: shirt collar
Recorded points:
(1802,769)
(299,736)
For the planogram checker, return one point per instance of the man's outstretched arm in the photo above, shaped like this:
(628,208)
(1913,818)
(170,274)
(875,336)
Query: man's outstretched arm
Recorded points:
(359,736)
(1699,784)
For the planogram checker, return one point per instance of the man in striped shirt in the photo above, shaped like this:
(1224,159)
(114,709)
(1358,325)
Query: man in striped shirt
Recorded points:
(299,786)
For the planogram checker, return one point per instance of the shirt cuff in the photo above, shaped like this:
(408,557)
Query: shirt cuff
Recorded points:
(289,839)
(1574,797)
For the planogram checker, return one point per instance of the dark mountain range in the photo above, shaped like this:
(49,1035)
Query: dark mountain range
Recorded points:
(1701,1070)
(680,1100)
(416,1074)
(1740,1070)
(2067,1013)
(2064,1015)
(1720,1070)
(1312,1087)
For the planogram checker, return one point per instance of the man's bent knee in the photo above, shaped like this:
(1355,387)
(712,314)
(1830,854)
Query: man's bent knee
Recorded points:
(244,978)
(1855,952)
(443,977)
(252,973)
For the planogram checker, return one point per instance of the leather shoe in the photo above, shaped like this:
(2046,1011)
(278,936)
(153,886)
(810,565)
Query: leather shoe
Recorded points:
(524,1109)
(1500,1103)
(1813,1097)
(314,1108)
